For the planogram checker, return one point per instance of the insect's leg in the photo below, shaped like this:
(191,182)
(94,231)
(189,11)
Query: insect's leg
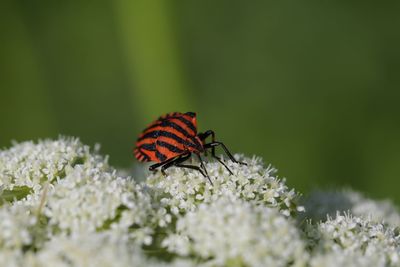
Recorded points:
(212,145)
(192,167)
(218,158)
(178,163)
(175,161)
(155,166)
(196,168)
(204,168)
(220,161)
(203,137)
(206,134)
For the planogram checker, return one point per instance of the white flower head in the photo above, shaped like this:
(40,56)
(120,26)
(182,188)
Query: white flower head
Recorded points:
(12,258)
(345,259)
(357,238)
(322,203)
(61,204)
(183,189)
(17,227)
(231,230)
(75,189)
(29,164)
(95,249)
(89,198)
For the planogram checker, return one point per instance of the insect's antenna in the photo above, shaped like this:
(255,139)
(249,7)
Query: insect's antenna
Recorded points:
(204,168)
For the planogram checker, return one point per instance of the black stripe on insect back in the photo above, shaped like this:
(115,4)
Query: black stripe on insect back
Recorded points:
(153,134)
(167,123)
(175,126)
(141,153)
(170,147)
(188,123)
(149,147)
(145,156)
(164,122)
(158,133)
(161,156)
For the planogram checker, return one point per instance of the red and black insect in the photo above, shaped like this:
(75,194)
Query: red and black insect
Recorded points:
(172,139)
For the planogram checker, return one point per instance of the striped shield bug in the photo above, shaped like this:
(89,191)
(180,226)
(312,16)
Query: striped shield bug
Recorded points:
(172,139)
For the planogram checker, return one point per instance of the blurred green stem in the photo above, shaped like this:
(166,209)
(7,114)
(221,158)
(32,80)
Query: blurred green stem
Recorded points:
(151,56)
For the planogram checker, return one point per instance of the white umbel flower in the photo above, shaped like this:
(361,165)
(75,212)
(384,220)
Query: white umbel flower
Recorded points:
(63,205)
(88,198)
(322,203)
(345,259)
(83,193)
(29,164)
(230,231)
(89,250)
(354,240)
(183,189)
(12,258)
(16,226)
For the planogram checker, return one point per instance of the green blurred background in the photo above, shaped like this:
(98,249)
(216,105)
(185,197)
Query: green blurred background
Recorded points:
(312,86)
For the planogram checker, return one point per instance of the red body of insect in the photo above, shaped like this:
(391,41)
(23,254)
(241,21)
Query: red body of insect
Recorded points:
(169,136)
(172,139)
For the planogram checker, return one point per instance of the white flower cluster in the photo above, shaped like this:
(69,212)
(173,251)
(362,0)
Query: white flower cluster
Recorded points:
(347,240)
(232,231)
(87,197)
(319,204)
(99,249)
(16,223)
(71,189)
(94,249)
(29,164)
(61,204)
(183,189)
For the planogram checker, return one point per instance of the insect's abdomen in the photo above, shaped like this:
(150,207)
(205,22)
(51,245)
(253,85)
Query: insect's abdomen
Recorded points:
(169,136)
(167,148)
